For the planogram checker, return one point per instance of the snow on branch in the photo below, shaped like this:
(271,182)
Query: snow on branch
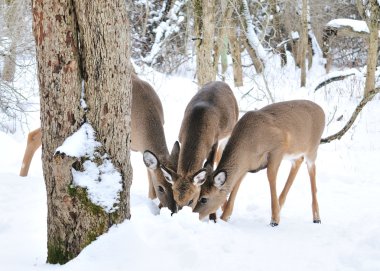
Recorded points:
(165,30)
(252,38)
(355,25)
(97,174)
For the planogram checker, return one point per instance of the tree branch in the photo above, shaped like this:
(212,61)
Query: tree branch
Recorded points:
(354,115)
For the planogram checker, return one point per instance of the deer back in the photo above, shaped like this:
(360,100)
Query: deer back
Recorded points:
(209,116)
(283,130)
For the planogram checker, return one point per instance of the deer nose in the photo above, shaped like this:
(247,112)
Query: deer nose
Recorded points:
(175,210)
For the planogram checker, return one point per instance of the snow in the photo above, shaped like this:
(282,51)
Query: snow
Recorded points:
(81,143)
(348,195)
(252,38)
(356,25)
(102,182)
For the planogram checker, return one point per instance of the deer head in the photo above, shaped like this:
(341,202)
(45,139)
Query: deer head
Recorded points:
(162,188)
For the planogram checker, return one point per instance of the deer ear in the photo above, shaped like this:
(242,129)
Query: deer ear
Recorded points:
(150,160)
(174,155)
(220,179)
(200,177)
(167,174)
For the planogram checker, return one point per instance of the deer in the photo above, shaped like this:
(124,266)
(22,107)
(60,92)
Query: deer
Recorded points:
(260,140)
(147,132)
(208,118)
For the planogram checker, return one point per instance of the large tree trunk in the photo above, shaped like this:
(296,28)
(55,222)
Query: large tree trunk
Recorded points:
(373,44)
(204,32)
(97,70)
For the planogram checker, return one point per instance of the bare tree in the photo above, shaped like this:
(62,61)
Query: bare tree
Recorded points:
(370,12)
(83,58)
(204,28)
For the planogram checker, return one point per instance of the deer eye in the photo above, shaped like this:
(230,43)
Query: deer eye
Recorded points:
(161,189)
(190,202)
(203,200)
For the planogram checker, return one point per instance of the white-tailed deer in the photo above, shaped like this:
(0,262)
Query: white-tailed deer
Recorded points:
(209,117)
(262,139)
(147,132)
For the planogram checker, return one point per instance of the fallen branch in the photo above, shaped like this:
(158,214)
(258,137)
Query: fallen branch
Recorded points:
(332,79)
(351,121)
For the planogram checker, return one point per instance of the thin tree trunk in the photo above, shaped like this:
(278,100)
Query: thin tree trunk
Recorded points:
(204,31)
(221,47)
(253,41)
(276,39)
(236,56)
(373,44)
(67,72)
(255,60)
(303,42)
(15,26)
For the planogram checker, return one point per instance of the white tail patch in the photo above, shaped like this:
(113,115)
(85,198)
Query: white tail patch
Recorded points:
(199,178)
(150,160)
(220,179)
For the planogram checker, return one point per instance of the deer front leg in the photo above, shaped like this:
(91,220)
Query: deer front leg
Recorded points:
(272,169)
(229,205)
(315,207)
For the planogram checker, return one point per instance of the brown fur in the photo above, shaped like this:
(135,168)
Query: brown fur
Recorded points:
(209,117)
(262,139)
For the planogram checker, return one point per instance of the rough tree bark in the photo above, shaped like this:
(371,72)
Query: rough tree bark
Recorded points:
(204,21)
(96,68)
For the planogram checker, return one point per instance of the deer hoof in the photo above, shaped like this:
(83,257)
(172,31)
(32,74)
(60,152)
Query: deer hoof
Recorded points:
(274,224)
(317,221)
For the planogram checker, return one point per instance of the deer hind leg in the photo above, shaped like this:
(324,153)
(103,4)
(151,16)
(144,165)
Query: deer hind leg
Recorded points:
(315,208)
(228,206)
(292,175)
(33,143)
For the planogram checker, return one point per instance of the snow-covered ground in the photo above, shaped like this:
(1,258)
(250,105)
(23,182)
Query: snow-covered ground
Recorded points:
(348,192)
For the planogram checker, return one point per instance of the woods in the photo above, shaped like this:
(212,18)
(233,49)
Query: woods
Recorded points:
(84,53)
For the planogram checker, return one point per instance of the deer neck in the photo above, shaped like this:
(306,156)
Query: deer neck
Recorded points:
(192,156)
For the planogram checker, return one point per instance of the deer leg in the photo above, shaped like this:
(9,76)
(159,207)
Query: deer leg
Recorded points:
(315,208)
(151,191)
(229,205)
(293,172)
(272,169)
(33,143)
